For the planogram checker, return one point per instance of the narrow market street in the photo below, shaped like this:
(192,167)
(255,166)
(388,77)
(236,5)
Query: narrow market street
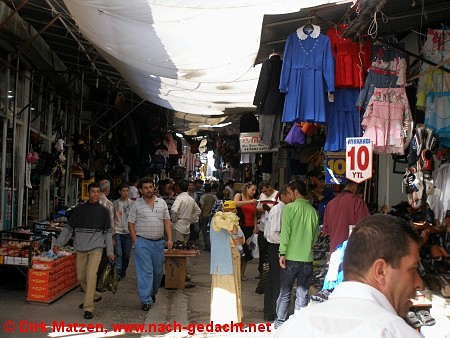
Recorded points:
(188,306)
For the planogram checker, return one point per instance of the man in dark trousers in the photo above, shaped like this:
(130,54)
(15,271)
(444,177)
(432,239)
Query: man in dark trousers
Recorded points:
(298,234)
(91,223)
(272,234)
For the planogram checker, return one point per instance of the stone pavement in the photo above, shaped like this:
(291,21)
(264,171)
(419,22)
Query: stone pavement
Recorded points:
(187,307)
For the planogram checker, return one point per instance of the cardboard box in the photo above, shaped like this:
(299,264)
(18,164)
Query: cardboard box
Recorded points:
(35,297)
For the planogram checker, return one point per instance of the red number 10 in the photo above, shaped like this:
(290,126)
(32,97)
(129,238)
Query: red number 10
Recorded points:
(362,157)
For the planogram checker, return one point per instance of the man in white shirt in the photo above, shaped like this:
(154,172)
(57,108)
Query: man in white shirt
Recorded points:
(184,212)
(272,234)
(267,199)
(380,277)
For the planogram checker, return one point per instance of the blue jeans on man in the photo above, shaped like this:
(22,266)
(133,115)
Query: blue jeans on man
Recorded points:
(303,272)
(149,262)
(122,250)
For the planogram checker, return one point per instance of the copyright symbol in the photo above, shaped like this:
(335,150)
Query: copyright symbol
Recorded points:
(9,326)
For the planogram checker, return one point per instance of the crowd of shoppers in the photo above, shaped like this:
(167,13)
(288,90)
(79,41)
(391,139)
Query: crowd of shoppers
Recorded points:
(377,284)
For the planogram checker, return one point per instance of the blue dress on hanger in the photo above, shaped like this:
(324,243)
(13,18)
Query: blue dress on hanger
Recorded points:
(306,76)
(343,119)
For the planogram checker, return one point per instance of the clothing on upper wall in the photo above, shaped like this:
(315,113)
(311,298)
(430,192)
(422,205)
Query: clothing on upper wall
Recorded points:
(437,116)
(343,119)
(387,119)
(306,76)
(268,98)
(393,76)
(352,59)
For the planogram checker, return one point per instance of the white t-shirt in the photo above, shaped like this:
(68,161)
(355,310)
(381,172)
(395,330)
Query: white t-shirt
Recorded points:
(270,201)
(353,310)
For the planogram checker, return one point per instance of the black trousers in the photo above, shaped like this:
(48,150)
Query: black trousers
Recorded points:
(272,287)
(262,247)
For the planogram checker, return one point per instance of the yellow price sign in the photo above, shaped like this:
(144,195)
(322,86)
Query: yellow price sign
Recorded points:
(335,168)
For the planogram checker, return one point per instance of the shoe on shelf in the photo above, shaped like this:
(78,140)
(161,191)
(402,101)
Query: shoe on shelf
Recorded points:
(425,318)
(146,307)
(95,300)
(412,320)
(88,315)
(322,295)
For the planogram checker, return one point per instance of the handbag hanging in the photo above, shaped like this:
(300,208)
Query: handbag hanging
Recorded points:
(295,136)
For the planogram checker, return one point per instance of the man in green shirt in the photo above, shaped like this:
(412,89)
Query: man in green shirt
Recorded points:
(299,230)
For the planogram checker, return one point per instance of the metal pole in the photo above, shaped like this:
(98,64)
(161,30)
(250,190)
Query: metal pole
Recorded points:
(13,162)
(120,120)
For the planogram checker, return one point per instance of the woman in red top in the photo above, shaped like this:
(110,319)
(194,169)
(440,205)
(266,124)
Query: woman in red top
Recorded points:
(246,203)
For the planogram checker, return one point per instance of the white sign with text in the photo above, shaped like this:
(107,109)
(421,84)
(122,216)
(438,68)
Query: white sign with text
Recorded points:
(358,159)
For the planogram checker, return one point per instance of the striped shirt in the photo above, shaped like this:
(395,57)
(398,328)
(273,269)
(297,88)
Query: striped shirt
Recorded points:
(148,222)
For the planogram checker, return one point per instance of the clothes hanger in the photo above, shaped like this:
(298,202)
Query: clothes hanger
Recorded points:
(273,53)
(308,28)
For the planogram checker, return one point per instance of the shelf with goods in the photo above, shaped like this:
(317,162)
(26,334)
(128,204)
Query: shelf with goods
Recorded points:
(50,279)
(19,245)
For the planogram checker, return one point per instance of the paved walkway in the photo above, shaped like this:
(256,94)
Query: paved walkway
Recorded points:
(187,307)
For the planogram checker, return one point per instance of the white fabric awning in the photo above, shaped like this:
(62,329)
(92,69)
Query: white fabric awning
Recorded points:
(191,56)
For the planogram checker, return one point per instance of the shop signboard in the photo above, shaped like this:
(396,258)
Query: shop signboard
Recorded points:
(358,155)
(251,143)
(335,168)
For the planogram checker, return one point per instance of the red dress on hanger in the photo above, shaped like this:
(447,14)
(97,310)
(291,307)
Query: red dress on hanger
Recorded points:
(350,65)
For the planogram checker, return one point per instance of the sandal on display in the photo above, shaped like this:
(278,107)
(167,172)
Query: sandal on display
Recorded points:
(445,288)
(412,320)
(425,318)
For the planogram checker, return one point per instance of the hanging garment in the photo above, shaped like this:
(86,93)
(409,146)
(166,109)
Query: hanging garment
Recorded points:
(393,75)
(351,59)
(343,119)
(439,201)
(270,129)
(268,98)
(437,45)
(435,81)
(170,143)
(437,116)
(436,49)
(387,119)
(386,52)
(306,76)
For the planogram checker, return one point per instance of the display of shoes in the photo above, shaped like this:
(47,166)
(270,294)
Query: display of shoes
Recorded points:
(321,296)
(426,318)
(412,320)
